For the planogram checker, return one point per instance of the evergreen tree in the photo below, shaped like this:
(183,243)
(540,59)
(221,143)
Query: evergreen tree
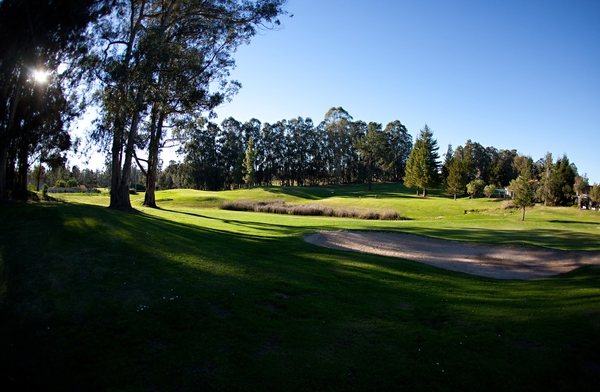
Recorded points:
(249,163)
(522,186)
(422,164)
(456,180)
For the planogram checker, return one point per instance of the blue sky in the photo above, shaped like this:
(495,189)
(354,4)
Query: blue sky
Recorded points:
(521,75)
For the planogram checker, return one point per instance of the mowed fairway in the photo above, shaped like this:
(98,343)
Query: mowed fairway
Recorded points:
(190,297)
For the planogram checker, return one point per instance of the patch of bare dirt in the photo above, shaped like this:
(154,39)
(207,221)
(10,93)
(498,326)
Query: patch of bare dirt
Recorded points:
(494,261)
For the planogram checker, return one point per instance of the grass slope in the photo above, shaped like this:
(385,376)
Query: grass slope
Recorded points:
(190,297)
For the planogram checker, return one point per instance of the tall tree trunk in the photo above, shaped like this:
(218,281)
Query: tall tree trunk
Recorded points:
(119,195)
(153,150)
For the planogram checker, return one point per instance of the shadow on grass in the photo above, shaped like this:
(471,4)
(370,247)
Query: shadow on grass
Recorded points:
(96,299)
(574,222)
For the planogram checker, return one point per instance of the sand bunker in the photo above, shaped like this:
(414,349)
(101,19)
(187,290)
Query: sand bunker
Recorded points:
(494,261)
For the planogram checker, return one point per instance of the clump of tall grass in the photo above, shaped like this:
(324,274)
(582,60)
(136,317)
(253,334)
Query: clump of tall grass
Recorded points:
(280,207)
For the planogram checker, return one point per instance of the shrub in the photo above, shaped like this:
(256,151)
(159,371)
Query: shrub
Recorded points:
(489,190)
(60,184)
(72,183)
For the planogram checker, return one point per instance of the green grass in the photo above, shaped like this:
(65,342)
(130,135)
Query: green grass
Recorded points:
(190,297)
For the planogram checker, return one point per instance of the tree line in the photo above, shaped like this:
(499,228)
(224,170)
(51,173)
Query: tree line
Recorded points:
(289,152)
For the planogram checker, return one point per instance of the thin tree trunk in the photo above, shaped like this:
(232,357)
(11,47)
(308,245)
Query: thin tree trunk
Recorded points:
(523,216)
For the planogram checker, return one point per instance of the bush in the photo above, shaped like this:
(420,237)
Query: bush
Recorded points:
(45,192)
(489,190)
(72,183)
(60,184)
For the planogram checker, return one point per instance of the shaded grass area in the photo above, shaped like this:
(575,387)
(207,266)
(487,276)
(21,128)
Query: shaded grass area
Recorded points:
(92,299)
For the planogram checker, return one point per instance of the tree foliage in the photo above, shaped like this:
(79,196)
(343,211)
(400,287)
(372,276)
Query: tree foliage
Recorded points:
(475,187)
(489,190)
(39,40)
(374,150)
(523,185)
(456,178)
(158,62)
(422,164)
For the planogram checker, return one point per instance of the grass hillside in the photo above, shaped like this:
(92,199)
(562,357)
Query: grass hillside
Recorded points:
(191,297)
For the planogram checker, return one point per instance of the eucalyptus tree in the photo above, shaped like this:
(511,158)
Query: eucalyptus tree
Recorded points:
(400,144)
(166,55)
(299,135)
(265,165)
(42,131)
(233,147)
(320,156)
(337,127)
(203,160)
(374,149)
(38,39)
(279,131)
(477,161)
(501,166)
(422,165)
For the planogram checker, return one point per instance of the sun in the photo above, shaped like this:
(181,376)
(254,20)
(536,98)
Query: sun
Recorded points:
(40,76)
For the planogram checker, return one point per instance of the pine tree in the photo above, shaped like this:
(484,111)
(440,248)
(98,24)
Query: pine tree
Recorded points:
(249,163)
(422,165)
(524,194)
(456,179)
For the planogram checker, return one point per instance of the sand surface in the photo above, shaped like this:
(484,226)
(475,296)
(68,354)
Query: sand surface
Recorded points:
(495,261)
